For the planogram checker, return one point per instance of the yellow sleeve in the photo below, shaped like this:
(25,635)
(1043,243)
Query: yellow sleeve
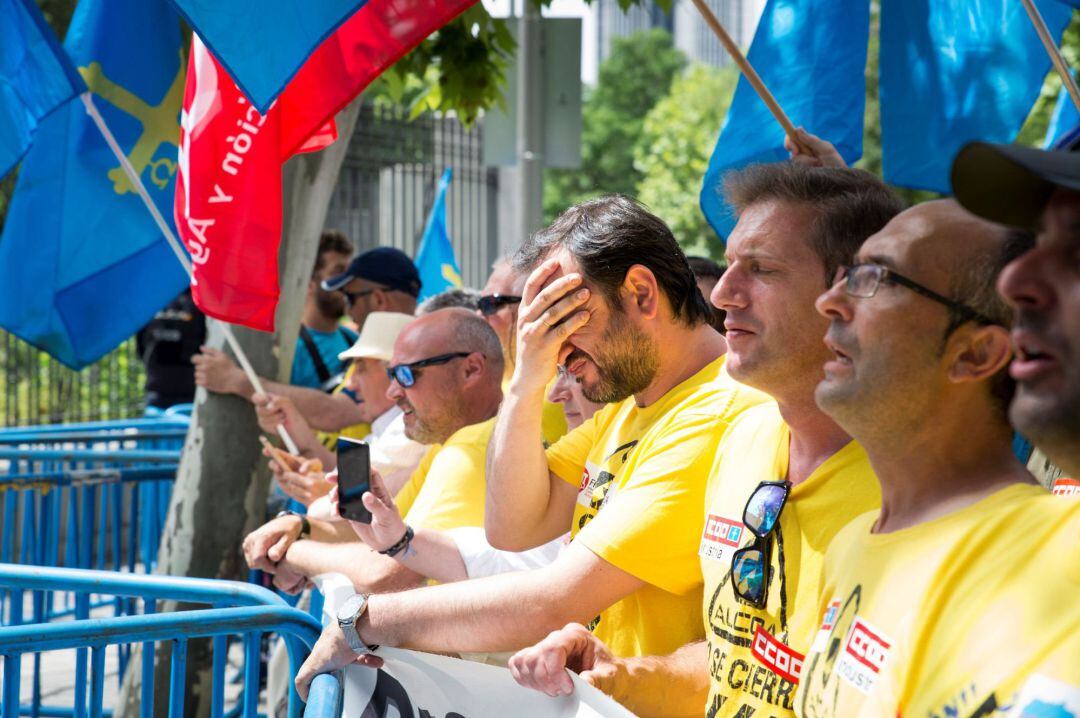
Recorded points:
(651,527)
(553,425)
(406,495)
(452,494)
(566,457)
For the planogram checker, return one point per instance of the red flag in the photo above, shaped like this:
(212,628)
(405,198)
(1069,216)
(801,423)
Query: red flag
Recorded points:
(228,191)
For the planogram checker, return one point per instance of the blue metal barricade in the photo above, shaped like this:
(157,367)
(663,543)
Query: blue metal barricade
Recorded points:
(96,635)
(35,585)
(88,495)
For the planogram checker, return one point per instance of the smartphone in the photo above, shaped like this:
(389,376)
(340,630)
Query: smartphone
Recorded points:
(354,478)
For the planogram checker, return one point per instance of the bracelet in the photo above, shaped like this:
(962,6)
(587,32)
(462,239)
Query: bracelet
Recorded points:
(402,545)
(305,525)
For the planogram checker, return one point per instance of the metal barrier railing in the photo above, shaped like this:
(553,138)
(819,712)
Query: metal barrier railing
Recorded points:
(88,495)
(96,635)
(37,584)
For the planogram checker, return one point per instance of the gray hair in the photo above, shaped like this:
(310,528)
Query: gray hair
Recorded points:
(464,298)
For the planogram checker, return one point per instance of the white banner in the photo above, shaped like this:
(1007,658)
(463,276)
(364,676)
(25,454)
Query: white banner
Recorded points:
(423,685)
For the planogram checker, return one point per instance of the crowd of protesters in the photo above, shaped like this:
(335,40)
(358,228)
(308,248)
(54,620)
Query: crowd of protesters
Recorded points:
(792,486)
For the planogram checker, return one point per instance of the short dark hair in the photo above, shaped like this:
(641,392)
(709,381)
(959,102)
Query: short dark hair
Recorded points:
(976,287)
(331,240)
(610,234)
(850,205)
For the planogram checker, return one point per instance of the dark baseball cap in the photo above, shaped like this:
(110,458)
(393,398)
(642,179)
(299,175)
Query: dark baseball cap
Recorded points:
(1011,184)
(385,266)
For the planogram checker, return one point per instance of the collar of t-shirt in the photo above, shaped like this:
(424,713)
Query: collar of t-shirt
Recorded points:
(383,421)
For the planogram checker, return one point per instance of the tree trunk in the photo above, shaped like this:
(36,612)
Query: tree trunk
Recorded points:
(222,483)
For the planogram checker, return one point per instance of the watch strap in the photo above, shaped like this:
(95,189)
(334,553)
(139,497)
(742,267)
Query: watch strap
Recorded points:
(305,525)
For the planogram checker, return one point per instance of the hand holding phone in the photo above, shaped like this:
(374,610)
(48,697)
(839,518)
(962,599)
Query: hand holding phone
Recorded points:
(284,460)
(354,479)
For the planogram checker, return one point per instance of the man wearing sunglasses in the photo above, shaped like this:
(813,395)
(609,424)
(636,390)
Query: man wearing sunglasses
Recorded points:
(445,375)
(498,305)
(785,477)
(919,376)
(383,279)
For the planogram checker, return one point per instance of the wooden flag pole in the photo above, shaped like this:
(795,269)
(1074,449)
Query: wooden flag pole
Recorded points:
(178,250)
(750,73)
(1052,50)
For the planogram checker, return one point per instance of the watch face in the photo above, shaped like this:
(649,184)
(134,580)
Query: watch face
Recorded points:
(349,609)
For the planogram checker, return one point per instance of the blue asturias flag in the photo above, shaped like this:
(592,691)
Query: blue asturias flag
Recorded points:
(435,259)
(36,77)
(953,71)
(262,43)
(82,264)
(811,54)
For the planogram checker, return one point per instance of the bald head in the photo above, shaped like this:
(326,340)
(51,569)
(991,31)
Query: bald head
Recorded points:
(450,330)
(955,253)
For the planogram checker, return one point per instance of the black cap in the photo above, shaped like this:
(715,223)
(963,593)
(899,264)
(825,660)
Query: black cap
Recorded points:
(1010,184)
(386,266)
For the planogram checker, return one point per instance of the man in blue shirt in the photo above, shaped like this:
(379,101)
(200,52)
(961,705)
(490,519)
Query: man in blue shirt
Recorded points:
(322,338)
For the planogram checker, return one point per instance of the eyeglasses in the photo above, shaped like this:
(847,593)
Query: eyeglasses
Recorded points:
(491,303)
(863,281)
(351,297)
(751,566)
(403,373)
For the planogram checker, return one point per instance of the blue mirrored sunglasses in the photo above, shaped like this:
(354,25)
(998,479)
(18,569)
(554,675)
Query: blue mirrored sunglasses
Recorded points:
(404,373)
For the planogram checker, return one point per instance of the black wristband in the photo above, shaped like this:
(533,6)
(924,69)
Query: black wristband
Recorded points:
(305,525)
(402,545)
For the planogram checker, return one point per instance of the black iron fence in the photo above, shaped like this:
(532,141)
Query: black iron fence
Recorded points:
(36,389)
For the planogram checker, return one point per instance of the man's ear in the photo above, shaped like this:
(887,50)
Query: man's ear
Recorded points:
(641,291)
(978,352)
(474,367)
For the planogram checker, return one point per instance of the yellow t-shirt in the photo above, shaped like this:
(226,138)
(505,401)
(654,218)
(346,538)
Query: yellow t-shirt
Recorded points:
(641,474)
(553,421)
(976,613)
(447,490)
(755,654)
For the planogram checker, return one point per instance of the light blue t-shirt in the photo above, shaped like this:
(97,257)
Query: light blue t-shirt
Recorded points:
(329,345)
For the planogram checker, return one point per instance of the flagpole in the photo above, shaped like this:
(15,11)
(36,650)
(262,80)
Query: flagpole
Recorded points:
(1052,50)
(178,250)
(750,73)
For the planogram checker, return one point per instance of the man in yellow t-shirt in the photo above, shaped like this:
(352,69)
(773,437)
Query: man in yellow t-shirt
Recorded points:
(451,362)
(612,298)
(920,380)
(776,268)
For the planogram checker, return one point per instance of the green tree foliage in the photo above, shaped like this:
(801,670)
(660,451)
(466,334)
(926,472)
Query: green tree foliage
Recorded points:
(636,75)
(673,152)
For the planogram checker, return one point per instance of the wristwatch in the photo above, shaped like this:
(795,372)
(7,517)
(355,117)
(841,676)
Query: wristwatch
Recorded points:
(347,617)
(305,525)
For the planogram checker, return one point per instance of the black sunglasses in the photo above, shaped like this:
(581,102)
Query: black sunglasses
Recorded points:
(351,297)
(751,566)
(491,303)
(863,281)
(403,373)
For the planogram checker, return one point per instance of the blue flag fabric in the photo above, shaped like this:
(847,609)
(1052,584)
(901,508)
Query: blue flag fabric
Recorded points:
(953,71)
(263,43)
(82,264)
(1064,119)
(36,77)
(811,54)
(435,259)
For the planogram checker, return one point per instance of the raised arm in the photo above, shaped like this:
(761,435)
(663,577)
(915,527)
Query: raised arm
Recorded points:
(215,371)
(527,505)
